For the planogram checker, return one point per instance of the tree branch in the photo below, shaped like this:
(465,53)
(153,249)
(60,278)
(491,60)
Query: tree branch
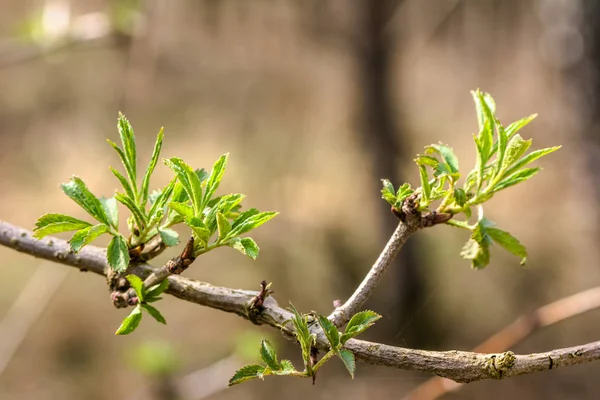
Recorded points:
(456,365)
(520,329)
(341,315)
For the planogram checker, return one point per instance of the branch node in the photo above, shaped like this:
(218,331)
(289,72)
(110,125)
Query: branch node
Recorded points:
(180,263)
(255,306)
(498,364)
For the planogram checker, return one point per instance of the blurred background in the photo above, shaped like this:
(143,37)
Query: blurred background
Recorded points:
(316,101)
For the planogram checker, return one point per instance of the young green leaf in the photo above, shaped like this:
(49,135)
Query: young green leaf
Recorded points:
(516,148)
(161,200)
(183,209)
(388,193)
(331,332)
(110,209)
(246,373)
(359,323)
(77,191)
(246,246)
(189,181)
(447,155)
(305,338)
(517,125)
(251,222)
(87,235)
(157,290)
(286,368)
(478,253)
(223,225)
(529,158)
(138,285)
(152,165)
(117,254)
(199,229)
(128,140)
(169,236)
(124,182)
(517,177)
(348,359)
(137,213)
(425,186)
(131,322)
(215,177)
(49,224)
(509,242)
(269,356)
(154,313)
(403,192)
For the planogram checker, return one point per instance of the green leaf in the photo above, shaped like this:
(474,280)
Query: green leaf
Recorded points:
(199,229)
(183,209)
(224,226)
(49,224)
(516,148)
(131,322)
(154,313)
(359,323)
(502,144)
(190,182)
(425,186)
(151,166)
(517,125)
(305,338)
(157,290)
(246,373)
(251,222)
(446,153)
(110,209)
(138,285)
(128,140)
(477,253)
(286,368)
(77,191)
(117,254)
(529,158)
(388,193)
(137,213)
(86,235)
(215,177)
(347,358)
(161,200)
(515,178)
(169,236)
(460,197)
(246,246)
(509,242)
(331,332)
(124,182)
(403,192)
(268,355)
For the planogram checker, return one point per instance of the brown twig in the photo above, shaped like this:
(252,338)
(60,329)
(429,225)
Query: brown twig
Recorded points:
(461,366)
(520,329)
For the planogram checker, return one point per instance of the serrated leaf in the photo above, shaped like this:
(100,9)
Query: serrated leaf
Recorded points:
(517,125)
(305,338)
(447,155)
(246,373)
(169,236)
(138,285)
(425,186)
(49,224)
(509,242)
(189,181)
(129,148)
(269,356)
(246,246)
(199,229)
(87,235)
(124,182)
(331,332)
(478,254)
(161,200)
(157,290)
(359,323)
(460,197)
(347,358)
(77,191)
(388,193)
(223,225)
(128,185)
(153,311)
(502,144)
(117,254)
(137,213)
(111,210)
(183,209)
(215,177)
(517,146)
(426,160)
(250,223)
(515,178)
(529,158)
(152,165)
(286,367)
(131,322)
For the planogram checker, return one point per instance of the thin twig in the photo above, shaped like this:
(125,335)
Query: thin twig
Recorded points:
(520,329)
(460,366)
(341,315)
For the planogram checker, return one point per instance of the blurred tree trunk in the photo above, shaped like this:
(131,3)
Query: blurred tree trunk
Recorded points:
(402,293)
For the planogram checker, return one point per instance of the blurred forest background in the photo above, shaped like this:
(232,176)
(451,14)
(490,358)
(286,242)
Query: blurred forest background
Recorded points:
(316,101)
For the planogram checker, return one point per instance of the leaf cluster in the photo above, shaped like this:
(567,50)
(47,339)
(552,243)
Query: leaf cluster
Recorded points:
(145,297)
(502,161)
(307,340)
